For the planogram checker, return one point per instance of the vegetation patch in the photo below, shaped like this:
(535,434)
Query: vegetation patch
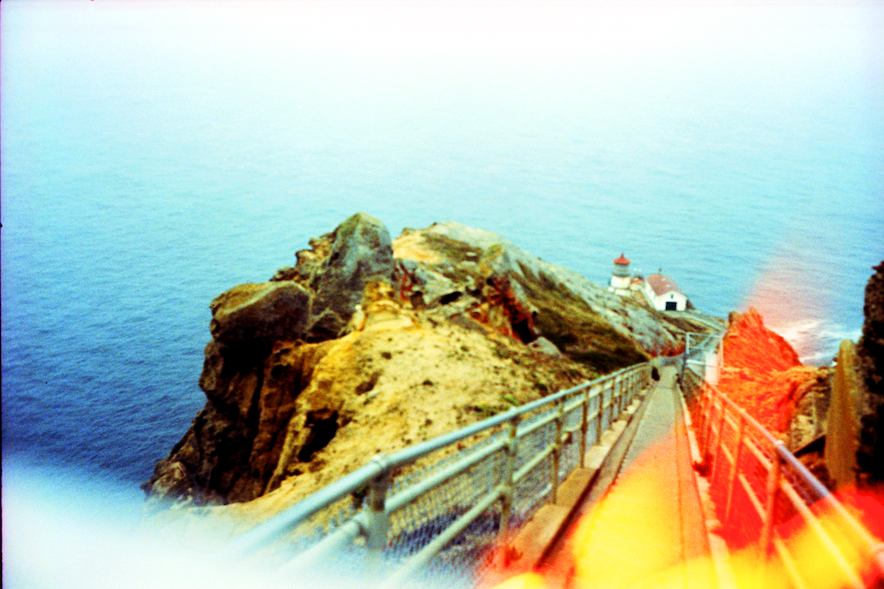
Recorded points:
(452,249)
(488,410)
(507,398)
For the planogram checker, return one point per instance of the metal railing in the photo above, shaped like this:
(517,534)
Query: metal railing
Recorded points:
(440,507)
(763,494)
(698,349)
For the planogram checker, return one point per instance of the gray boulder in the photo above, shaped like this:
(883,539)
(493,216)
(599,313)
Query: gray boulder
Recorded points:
(361,251)
(260,313)
(544,346)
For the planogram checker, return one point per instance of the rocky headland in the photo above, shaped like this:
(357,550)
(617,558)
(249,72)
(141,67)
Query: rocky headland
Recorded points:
(369,344)
(830,417)
(763,374)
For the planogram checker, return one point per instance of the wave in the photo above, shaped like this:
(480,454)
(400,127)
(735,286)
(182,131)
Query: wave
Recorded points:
(816,340)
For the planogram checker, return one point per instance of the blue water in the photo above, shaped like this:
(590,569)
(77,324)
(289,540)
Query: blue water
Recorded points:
(154,154)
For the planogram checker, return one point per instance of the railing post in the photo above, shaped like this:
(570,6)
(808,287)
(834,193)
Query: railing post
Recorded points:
(584,427)
(557,449)
(708,414)
(630,385)
(718,442)
(611,403)
(773,487)
(627,389)
(378,519)
(509,471)
(598,418)
(684,357)
(735,469)
(634,380)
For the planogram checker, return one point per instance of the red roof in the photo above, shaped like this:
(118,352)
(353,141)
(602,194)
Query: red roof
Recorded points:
(621,261)
(661,284)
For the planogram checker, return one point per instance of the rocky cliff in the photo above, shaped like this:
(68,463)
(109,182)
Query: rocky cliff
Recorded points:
(368,344)
(762,374)
(870,353)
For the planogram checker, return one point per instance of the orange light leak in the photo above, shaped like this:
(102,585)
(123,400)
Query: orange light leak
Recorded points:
(762,372)
(634,538)
(792,292)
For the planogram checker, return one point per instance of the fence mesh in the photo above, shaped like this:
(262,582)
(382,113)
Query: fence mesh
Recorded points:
(756,488)
(419,522)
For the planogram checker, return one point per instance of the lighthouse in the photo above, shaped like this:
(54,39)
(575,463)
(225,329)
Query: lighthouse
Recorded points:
(620,278)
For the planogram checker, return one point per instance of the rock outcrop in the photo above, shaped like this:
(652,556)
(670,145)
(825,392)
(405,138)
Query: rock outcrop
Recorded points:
(817,411)
(763,374)
(336,271)
(370,345)
(842,420)
(870,354)
(750,346)
(453,263)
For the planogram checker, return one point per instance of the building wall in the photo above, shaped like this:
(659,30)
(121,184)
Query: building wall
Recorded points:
(659,302)
(618,282)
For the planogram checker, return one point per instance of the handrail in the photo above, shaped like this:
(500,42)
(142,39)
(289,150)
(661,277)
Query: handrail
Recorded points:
(278,526)
(531,437)
(725,430)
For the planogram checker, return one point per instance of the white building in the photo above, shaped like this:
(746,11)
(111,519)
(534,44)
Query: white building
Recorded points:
(664,294)
(620,278)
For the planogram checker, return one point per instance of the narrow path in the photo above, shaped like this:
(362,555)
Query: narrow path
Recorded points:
(648,528)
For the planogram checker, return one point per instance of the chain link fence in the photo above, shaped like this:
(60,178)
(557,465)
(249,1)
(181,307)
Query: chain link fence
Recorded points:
(435,512)
(767,500)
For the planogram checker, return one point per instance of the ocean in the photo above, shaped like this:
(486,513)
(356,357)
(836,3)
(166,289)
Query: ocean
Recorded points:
(155,154)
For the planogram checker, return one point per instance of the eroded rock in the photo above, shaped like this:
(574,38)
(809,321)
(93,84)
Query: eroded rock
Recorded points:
(260,313)
(763,375)
(353,351)
(870,354)
(361,251)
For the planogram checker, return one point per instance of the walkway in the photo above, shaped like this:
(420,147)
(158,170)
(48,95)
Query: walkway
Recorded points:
(648,529)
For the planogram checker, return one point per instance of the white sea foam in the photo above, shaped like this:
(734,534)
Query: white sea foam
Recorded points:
(816,340)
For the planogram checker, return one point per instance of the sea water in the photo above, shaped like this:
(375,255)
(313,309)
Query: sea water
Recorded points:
(155,154)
